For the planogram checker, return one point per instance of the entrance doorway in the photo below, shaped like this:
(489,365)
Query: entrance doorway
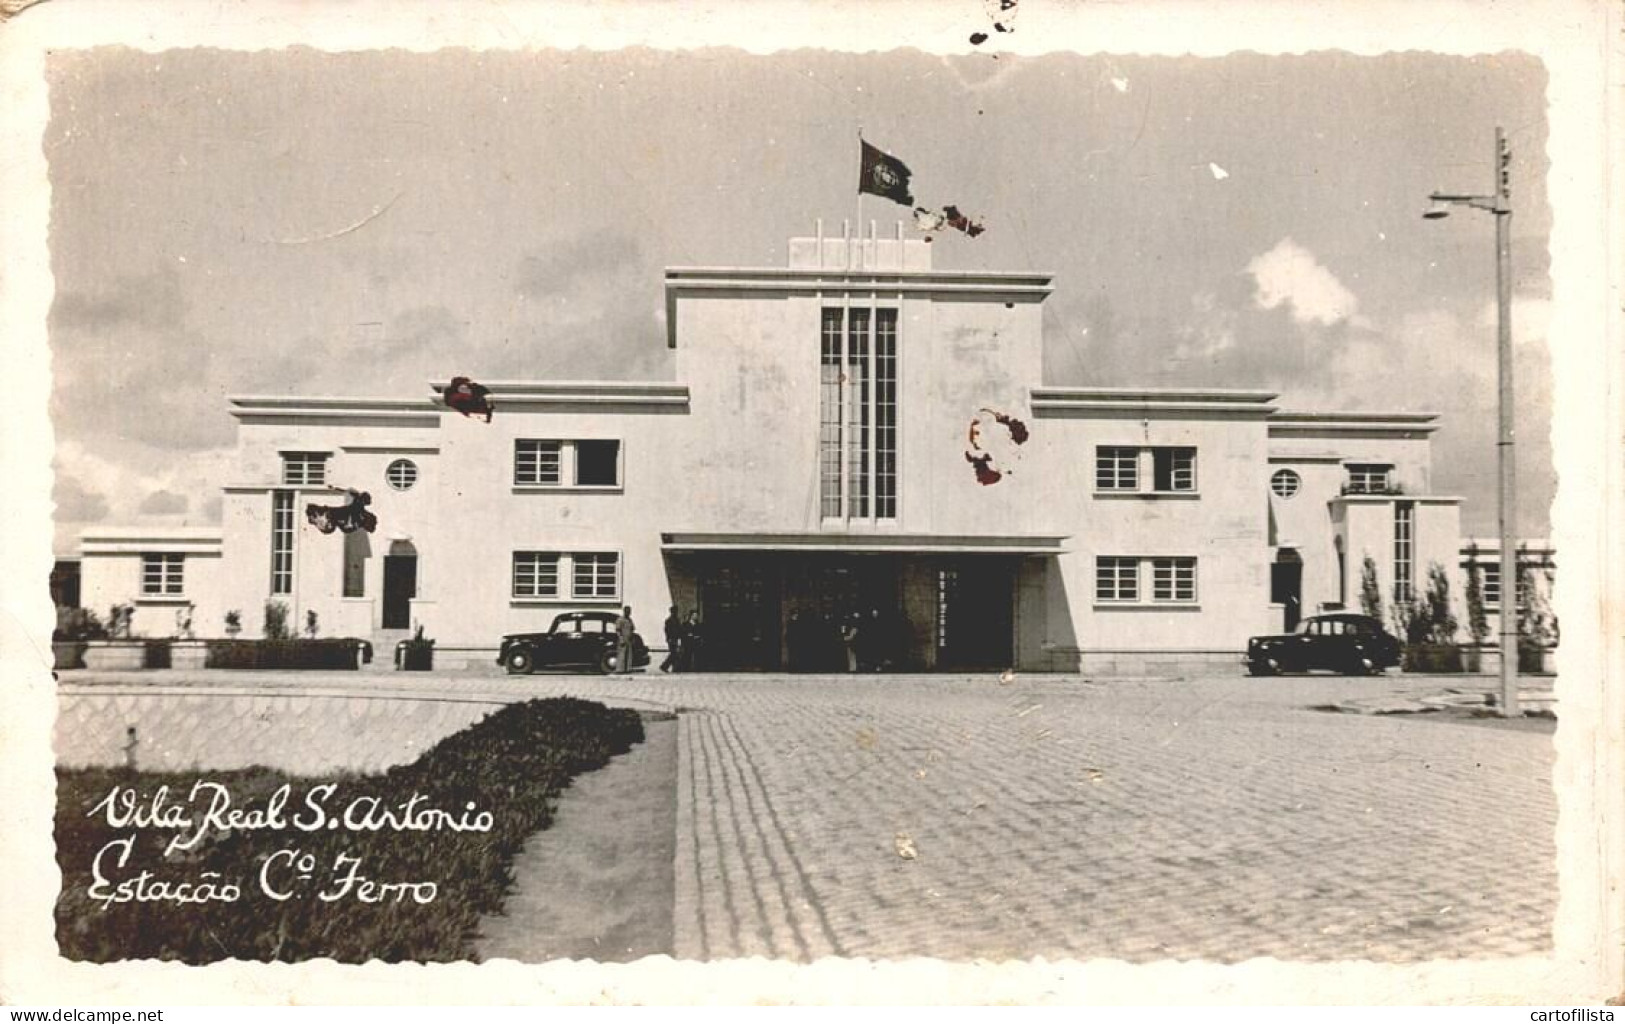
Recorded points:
(400,586)
(1286,587)
(975,615)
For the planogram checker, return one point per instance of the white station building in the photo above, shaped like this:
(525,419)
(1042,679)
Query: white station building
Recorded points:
(829,446)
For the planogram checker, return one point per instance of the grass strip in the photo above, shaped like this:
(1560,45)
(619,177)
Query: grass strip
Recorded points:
(138,883)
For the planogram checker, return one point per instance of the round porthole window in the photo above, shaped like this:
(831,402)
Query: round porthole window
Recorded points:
(402,474)
(1285,483)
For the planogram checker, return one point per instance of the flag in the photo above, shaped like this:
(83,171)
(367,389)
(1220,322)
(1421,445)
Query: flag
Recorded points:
(884,175)
(950,217)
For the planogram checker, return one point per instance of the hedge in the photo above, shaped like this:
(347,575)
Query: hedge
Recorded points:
(513,764)
(1432,658)
(285,654)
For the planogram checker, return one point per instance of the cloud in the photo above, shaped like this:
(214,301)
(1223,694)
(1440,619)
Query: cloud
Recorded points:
(130,484)
(163,503)
(124,343)
(1290,275)
(76,502)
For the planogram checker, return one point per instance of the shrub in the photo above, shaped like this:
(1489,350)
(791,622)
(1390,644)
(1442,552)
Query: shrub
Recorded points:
(276,621)
(1426,657)
(234,623)
(1478,620)
(283,654)
(513,765)
(79,624)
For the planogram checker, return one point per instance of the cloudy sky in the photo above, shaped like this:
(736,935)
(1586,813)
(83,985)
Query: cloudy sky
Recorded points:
(306,223)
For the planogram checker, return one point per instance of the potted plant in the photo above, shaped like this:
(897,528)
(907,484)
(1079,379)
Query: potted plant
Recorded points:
(75,628)
(1478,620)
(234,623)
(416,654)
(119,651)
(1428,627)
(1538,629)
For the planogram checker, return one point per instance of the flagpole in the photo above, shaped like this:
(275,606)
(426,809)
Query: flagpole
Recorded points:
(853,259)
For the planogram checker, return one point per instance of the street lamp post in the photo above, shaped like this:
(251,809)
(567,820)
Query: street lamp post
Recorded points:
(1499,203)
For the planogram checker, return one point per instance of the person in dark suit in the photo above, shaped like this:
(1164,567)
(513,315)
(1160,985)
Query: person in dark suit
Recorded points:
(674,641)
(692,639)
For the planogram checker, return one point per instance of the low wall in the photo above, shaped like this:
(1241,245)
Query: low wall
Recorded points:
(1141,663)
(178,730)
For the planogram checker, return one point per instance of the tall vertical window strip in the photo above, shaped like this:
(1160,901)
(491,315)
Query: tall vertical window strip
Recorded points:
(830,416)
(857,441)
(886,414)
(858,409)
(282,542)
(1404,541)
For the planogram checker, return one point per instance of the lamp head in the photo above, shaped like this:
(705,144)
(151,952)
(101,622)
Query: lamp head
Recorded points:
(1436,211)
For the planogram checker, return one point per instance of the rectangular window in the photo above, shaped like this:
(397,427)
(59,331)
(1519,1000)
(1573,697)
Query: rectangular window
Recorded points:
(1117,579)
(552,463)
(1120,580)
(596,575)
(1173,579)
(857,414)
(304,469)
(535,574)
(1173,469)
(538,462)
(161,575)
(1117,469)
(1369,478)
(1491,579)
(1404,539)
(598,463)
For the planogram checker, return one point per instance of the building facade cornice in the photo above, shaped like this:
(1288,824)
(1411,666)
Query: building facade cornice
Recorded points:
(1067,401)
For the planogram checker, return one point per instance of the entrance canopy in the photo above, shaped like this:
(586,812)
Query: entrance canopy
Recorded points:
(865,543)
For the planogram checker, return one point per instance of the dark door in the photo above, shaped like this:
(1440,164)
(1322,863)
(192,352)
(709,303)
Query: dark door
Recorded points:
(400,586)
(1286,590)
(739,613)
(975,615)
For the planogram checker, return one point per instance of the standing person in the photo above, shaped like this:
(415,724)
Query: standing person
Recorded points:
(794,641)
(674,641)
(849,640)
(623,641)
(691,643)
(875,645)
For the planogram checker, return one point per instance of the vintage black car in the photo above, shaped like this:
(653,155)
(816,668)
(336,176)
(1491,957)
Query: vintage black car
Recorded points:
(1340,642)
(576,639)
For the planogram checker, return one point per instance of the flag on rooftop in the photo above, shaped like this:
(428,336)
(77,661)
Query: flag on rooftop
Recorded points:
(884,175)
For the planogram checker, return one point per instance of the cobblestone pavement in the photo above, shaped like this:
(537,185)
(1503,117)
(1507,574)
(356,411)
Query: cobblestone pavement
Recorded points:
(1213,819)
(1210,818)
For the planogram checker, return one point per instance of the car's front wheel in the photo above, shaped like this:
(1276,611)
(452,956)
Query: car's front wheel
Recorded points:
(1263,667)
(1361,665)
(520,662)
(608,662)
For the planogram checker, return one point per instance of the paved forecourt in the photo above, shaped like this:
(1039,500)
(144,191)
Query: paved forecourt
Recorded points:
(1022,816)
(1019,816)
